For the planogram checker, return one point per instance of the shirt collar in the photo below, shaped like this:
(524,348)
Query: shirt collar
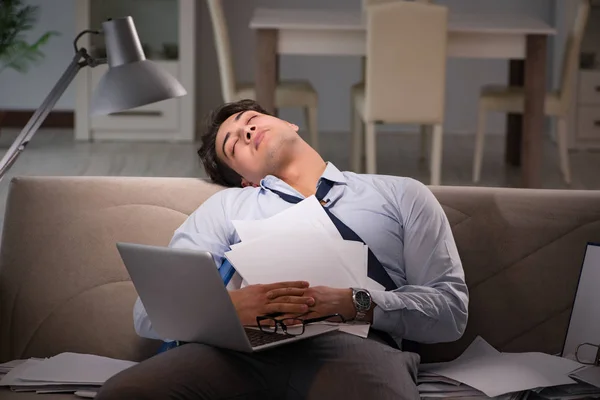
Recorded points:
(331,173)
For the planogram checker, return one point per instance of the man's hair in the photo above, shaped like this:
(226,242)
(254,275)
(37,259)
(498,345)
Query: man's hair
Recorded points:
(219,172)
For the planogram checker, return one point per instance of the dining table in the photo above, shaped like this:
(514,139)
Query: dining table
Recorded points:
(518,38)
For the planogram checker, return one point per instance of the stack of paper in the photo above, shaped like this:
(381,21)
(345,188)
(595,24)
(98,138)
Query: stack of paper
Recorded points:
(588,374)
(64,373)
(508,375)
(570,392)
(300,243)
(432,385)
(9,366)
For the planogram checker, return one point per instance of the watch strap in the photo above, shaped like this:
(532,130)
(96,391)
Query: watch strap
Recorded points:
(360,314)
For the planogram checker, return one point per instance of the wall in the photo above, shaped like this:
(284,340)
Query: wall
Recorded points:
(19,91)
(146,15)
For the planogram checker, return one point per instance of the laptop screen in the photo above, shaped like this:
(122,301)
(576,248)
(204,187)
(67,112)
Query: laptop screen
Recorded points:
(584,324)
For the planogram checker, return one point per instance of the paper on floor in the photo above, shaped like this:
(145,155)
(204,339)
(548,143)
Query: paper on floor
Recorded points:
(447,390)
(12,377)
(54,387)
(74,368)
(85,394)
(570,392)
(478,348)
(8,366)
(424,377)
(501,373)
(588,374)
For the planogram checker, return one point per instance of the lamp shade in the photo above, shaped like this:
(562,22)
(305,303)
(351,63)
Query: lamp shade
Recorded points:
(131,80)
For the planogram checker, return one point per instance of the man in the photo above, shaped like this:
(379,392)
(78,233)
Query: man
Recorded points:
(413,254)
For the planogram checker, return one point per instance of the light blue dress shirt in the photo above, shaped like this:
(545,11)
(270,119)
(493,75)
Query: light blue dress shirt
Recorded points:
(398,218)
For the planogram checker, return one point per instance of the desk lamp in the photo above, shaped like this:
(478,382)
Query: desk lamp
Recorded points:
(131,81)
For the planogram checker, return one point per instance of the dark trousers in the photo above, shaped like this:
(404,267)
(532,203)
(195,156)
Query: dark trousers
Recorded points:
(332,366)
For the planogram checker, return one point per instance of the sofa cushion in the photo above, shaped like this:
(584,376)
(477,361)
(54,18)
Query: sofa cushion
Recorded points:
(522,252)
(63,286)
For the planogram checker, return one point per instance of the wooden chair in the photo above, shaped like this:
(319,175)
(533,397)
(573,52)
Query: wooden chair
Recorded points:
(405,77)
(557,103)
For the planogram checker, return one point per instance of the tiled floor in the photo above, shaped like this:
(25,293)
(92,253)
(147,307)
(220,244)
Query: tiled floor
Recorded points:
(54,152)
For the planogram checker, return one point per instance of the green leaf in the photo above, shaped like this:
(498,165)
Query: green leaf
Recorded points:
(44,39)
(15,20)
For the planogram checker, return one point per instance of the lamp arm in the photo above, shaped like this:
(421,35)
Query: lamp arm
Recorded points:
(42,112)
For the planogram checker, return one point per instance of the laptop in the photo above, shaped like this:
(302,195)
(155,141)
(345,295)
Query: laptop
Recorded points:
(186,300)
(584,321)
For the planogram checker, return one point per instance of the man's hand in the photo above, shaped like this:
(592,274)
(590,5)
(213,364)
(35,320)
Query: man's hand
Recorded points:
(330,300)
(286,298)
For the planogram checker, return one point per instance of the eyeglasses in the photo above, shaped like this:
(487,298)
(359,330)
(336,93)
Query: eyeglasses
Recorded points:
(596,361)
(293,326)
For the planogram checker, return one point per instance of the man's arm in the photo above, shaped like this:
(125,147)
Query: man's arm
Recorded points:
(433,304)
(210,229)
(205,229)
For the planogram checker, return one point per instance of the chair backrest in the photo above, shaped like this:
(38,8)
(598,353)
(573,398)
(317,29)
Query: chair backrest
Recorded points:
(570,59)
(406,62)
(223,48)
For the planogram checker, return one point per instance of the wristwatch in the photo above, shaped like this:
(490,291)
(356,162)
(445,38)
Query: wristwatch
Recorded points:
(362,303)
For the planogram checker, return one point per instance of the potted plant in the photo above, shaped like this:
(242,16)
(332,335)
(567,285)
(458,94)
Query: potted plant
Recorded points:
(16,52)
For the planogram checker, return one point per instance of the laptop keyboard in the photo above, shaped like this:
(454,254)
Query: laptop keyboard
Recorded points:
(259,338)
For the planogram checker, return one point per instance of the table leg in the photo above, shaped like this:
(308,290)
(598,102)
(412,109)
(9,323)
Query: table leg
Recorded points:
(514,122)
(533,119)
(266,68)
(2,116)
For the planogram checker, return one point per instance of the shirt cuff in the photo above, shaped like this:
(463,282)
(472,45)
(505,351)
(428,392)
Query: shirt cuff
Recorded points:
(383,320)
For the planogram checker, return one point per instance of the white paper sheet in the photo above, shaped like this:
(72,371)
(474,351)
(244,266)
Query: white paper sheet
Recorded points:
(75,368)
(434,378)
(454,395)
(308,211)
(374,285)
(477,349)
(352,255)
(589,374)
(85,394)
(301,243)
(12,377)
(430,388)
(300,257)
(262,229)
(7,366)
(361,330)
(501,373)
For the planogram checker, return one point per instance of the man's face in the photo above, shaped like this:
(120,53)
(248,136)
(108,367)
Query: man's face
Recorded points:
(254,144)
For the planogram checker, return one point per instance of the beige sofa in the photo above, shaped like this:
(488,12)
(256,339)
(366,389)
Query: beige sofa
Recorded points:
(63,286)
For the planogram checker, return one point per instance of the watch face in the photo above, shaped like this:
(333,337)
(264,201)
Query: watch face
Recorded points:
(363,300)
